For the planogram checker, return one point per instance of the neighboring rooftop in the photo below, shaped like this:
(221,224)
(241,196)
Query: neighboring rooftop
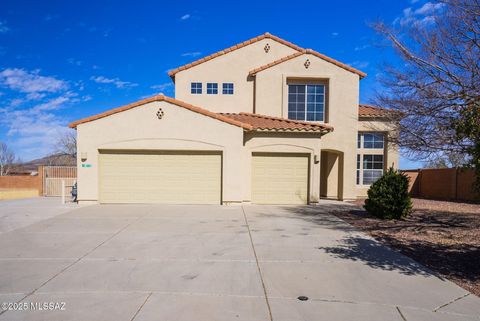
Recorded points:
(267,35)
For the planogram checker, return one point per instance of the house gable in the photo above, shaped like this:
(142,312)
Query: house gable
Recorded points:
(160,98)
(232,68)
(266,35)
(307,52)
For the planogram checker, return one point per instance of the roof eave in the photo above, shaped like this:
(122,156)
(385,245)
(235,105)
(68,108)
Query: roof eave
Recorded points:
(159,98)
(292,131)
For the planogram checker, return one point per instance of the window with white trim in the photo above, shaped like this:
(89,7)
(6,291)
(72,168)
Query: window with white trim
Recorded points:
(370,157)
(227,88)
(372,168)
(196,88)
(358,169)
(212,88)
(373,140)
(306,102)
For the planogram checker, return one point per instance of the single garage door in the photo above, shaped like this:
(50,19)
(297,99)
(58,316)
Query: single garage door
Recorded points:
(160,177)
(280,178)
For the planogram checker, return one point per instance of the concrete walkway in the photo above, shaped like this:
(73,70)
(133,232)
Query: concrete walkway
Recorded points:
(184,263)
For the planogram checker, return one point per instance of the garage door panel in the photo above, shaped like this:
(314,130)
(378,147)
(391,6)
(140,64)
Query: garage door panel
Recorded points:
(280,178)
(160,177)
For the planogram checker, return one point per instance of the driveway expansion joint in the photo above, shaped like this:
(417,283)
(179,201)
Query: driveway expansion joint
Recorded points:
(258,265)
(141,306)
(401,314)
(450,302)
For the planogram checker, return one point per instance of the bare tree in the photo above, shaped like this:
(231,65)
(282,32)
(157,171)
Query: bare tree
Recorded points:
(65,150)
(436,88)
(67,143)
(7,159)
(447,161)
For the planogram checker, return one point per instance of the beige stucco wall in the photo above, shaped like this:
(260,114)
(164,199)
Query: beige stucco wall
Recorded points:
(271,98)
(179,129)
(283,143)
(266,93)
(229,68)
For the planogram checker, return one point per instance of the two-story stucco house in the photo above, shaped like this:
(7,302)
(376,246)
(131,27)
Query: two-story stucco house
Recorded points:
(264,121)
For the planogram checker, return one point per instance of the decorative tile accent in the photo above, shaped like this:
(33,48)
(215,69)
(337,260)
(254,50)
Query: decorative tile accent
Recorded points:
(267,48)
(160,113)
(307,63)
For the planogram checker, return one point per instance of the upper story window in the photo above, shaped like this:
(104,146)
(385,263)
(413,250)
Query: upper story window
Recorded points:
(227,88)
(371,140)
(306,102)
(212,88)
(196,88)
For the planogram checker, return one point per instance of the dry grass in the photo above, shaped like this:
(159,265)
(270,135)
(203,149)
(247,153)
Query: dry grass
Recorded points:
(9,194)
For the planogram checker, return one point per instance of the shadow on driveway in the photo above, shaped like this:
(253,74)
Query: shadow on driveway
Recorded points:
(353,246)
(445,242)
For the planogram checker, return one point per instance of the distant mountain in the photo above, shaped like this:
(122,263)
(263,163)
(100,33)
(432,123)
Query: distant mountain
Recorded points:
(50,160)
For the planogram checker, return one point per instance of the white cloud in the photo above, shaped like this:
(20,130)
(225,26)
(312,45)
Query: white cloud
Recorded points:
(75,62)
(185,16)
(191,54)
(162,87)
(31,115)
(33,130)
(35,96)
(359,64)
(52,104)
(30,82)
(114,81)
(429,8)
(422,16)
(34,135)
(50,17)
(362,47)
(3,27)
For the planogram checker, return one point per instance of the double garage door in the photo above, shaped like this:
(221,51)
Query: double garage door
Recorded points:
(196,177)
(160,177)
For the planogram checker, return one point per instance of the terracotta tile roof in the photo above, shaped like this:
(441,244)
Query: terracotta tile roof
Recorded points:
(267,35)
(372,111)
(310,52)
(276,124)
(167,99)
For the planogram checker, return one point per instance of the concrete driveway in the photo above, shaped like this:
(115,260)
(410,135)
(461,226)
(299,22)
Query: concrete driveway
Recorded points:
(18,213)
(184,263)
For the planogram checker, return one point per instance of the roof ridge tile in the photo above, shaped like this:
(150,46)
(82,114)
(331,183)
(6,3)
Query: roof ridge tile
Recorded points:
(286,120)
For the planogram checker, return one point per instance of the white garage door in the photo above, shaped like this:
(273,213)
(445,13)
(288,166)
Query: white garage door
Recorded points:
(280,178)
(160,177)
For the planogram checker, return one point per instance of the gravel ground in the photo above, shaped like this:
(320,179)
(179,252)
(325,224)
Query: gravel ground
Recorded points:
(444,236)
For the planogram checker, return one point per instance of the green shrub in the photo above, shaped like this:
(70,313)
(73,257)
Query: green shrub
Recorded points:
(388,197)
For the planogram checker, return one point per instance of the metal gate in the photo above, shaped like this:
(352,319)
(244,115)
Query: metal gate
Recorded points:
(53,176)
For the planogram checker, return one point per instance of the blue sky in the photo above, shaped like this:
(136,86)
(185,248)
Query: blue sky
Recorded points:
(64,60)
